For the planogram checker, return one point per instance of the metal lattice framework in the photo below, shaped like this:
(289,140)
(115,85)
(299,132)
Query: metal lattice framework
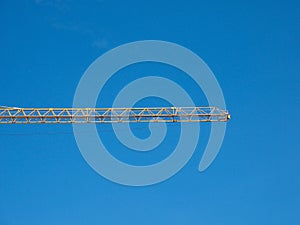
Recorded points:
(9,115)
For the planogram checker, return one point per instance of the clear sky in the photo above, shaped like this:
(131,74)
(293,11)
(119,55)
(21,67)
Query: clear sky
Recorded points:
(253,49)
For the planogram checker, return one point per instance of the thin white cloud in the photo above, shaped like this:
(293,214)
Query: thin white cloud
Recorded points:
(61,5)
(101,43)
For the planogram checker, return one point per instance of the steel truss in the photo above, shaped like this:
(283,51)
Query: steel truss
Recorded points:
(10,115)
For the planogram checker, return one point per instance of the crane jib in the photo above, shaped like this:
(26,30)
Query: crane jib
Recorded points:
(14,115)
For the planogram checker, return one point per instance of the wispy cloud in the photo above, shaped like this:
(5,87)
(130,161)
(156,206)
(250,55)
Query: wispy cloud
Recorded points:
(61,5)
(97,41)
(101,43)
(57,22)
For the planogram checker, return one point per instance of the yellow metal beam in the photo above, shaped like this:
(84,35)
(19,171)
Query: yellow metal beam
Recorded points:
(9,115)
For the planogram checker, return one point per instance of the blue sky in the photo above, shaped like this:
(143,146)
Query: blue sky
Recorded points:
(252,48)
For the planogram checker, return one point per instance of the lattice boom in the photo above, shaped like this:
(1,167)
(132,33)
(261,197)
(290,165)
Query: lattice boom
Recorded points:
(111,115)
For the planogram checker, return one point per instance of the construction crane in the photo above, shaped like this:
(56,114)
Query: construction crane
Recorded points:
(15,115)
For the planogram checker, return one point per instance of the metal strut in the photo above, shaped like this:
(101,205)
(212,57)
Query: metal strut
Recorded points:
(13,115)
